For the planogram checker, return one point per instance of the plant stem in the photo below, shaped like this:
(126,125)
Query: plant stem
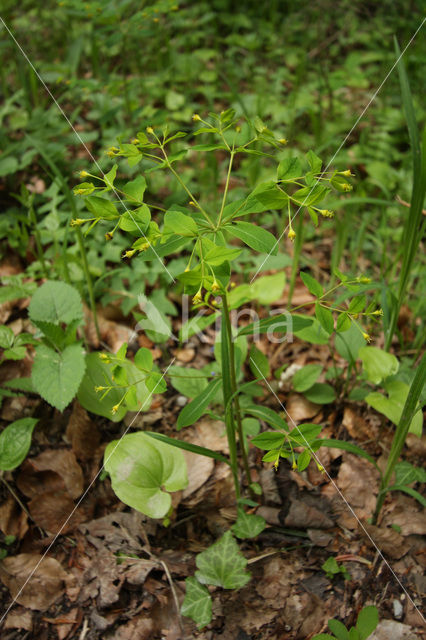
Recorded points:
(225,193)
(296,257)
(400,436)
(234,388)
(88,280)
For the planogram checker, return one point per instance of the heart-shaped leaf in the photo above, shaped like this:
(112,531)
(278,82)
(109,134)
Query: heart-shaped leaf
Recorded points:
(223,564)
(197,603)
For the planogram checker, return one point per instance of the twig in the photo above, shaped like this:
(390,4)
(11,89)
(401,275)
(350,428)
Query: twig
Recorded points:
(407,204)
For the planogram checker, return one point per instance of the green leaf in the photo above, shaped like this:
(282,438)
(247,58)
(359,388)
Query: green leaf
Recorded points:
(135,189)
(312,285)
(409,491)
(98,373)
(195,409)
(289,169)
(268,289)
(324,317)
(56,302)
(180,224)
(306,377)
(367,621)
(337,627)
(136,221)
(248,525)
(393,405)
(283,323)
(357,304)
(349,343)
(303,460)
(320,393)
(378,364)
(305,433)
(259,363)
(188,446)
(15,442)
(406,473)
(314,162)
(197,603)
(217,255)
(143,471)
(110,177)
(57,376)
(222,564)
(268,440)
(323,636)
(343,322)
(268,415)
(348,446)
(255,237)
(313,333)
(7,337)
(143,359)
(101,208)
(307,196)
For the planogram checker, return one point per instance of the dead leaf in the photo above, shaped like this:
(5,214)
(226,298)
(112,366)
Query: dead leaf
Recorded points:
(389,541)
(387,629)
(358,480)
(210,434)
(186,354)
(406,513)
(13,521)
(82,433)
(303,516)
(140,628)
(43,578)
(52,512)
(52,470)
(19,618)
(299,408)
(200,469)
(65,622)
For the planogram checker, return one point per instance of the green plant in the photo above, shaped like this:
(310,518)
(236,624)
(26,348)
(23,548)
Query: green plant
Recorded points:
(367,621)
(332,569)
(208,237)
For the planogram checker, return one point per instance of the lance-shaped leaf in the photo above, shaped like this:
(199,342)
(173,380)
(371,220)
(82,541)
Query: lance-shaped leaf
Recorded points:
(282,323)
(223,564)
(197,603)
(255,237)
(197,407)
(143,471)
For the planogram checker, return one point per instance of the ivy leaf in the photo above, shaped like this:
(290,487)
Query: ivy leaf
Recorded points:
(197,603)
(57,376)
(15,442)
(248,525)
(223,564)
(56,302)
(255,237)
(143,471)
(406,473)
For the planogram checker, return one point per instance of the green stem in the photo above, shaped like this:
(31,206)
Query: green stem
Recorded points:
(225,193)
(400,436)
(296,257)
(234,388)
(88,280)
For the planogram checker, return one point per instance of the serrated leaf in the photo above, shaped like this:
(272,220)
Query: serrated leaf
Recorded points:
(312,285)
(255,237)
(7,337)
(56,302)
(57,376)
(222,564)
(306,377)
(248,525)
(197,603)
(143,471)
(195,409)
(15,442)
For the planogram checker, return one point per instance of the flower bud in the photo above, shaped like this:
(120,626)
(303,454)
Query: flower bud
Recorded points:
(291,234)
(196,117)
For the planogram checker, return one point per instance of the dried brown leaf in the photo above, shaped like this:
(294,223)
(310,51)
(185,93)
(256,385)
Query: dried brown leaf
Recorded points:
(52,470)
(43,578)
(13,521)
(82,433)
